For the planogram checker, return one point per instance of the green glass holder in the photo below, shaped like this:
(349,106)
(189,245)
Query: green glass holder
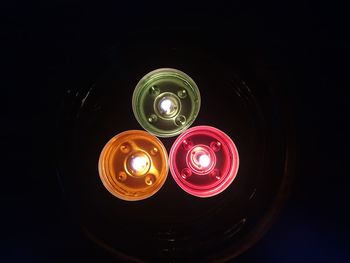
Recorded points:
(166,102)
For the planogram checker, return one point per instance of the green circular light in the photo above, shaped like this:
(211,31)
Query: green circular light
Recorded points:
(166,102)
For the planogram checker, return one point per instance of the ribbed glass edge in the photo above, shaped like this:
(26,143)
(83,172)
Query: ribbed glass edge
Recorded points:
(146,79)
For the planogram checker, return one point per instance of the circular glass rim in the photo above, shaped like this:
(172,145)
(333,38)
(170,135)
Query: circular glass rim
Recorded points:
(106,180)
(216,188)
(145,80)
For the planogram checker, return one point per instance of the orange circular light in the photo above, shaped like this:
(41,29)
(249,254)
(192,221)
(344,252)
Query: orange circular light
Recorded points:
(133,165)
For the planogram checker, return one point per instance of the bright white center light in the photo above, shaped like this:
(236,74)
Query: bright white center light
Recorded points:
(139,163)
(204,160)
(167,106)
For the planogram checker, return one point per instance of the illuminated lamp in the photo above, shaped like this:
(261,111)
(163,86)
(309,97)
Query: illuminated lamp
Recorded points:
(133,165)
(203,161)
(166,102)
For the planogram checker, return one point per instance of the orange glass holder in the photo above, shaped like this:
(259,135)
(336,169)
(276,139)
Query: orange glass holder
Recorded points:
(133,165)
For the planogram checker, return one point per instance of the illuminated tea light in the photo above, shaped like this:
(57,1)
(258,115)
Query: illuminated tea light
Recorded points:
(194,161)
(166,102)
(133,165)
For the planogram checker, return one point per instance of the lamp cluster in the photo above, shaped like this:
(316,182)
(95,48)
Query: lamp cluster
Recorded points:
(203,160)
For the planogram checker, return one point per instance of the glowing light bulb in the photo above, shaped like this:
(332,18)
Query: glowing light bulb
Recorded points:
(203,161)
(200,158)
(166,102)
(167,106)
(133,165)
(139,164)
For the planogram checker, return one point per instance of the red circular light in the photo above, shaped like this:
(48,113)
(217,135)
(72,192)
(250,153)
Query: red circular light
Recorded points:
(203,161)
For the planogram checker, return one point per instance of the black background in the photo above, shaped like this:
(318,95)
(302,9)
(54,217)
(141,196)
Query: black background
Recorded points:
(49,43)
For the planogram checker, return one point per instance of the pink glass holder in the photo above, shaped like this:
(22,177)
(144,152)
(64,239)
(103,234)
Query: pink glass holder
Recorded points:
(203,161)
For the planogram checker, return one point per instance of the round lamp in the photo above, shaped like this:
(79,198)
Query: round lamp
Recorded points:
(166,102)
(133,165)
(203,161)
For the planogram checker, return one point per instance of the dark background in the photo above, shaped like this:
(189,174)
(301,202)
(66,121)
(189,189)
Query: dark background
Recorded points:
(49,43)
